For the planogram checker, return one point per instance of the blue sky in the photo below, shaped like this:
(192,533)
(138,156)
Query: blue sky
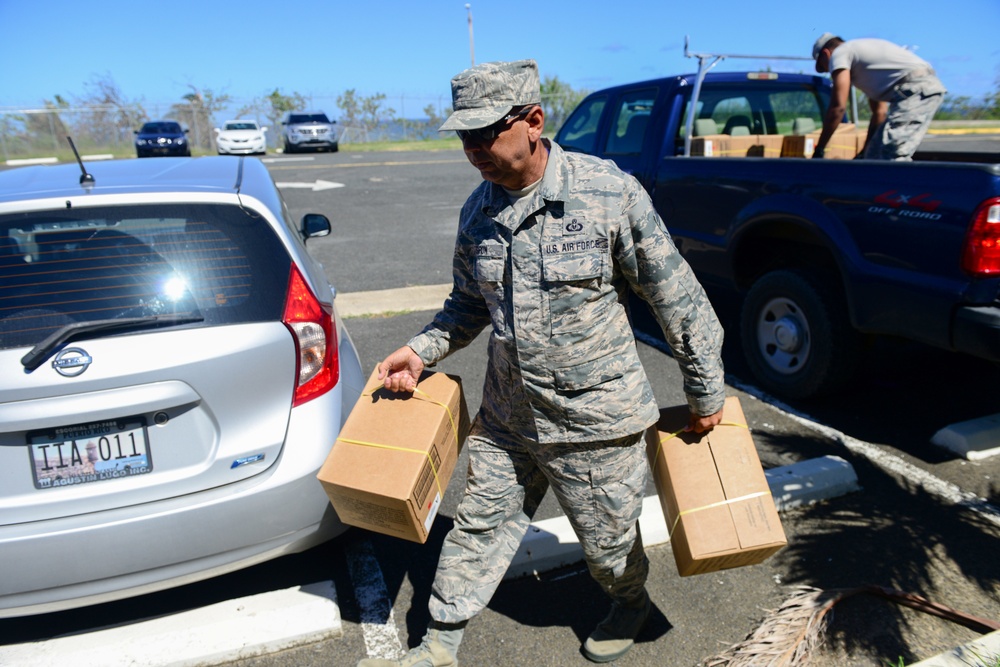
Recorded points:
(408,50)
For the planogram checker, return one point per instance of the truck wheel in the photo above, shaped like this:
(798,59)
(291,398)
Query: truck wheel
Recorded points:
(797,337)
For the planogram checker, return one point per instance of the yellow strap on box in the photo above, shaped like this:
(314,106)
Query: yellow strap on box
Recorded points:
(728,501)
(451,417)
(437,480)
(454,430)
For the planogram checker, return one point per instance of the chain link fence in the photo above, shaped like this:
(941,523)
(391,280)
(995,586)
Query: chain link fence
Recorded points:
(110,129)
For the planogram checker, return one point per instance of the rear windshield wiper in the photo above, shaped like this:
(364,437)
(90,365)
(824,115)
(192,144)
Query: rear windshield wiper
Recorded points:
(38,354)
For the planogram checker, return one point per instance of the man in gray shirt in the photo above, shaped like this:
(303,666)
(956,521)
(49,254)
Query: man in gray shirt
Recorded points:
(548,247)
(903,92)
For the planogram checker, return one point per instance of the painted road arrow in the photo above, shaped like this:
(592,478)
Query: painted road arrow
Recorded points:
(315,186)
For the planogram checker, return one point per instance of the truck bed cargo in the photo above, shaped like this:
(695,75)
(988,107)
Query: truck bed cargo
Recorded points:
(820,252)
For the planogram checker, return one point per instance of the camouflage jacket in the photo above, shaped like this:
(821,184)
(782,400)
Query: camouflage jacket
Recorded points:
(553,286)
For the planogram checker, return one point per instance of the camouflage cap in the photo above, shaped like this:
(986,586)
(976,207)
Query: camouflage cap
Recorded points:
(483,94)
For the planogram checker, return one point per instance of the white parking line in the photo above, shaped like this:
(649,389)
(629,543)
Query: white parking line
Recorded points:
(315,186)
(374,605)
(32,160)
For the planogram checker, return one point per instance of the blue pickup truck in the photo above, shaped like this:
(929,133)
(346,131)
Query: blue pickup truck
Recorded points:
(821,253)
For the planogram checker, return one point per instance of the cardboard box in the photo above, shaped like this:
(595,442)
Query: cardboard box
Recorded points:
(714,495)
(768,145)
(389,468)
(747,145)
(739,146)
(798,145)
(843,144)
(708,145)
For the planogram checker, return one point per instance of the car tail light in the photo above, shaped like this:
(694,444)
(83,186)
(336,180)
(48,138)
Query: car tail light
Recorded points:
(311,324)
(981,254)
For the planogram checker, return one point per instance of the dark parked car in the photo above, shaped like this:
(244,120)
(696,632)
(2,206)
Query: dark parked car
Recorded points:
(162,137)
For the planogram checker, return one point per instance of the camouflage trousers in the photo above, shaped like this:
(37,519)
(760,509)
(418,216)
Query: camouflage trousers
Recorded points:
(911,110)
(600,487)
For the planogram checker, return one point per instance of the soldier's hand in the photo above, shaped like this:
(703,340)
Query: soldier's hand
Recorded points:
(700,424)
(401,370)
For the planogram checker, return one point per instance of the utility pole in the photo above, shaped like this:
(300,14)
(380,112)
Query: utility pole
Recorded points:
(472,48)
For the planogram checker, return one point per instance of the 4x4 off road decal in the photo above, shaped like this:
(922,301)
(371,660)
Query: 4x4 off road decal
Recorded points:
(893,202)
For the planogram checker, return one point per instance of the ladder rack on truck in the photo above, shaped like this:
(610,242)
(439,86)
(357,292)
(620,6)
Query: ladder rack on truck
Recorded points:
(703,68)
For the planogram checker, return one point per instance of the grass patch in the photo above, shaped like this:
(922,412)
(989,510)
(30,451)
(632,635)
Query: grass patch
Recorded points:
(443,144)
(378,316)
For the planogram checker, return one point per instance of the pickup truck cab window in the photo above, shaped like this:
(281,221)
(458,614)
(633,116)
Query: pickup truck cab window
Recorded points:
(766,109)
(580,131)
(631,120)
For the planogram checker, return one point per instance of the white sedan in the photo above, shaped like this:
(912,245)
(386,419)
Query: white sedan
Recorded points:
(241,137)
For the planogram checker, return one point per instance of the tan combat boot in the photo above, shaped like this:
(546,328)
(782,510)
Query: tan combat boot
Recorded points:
(615,635)
(437,649)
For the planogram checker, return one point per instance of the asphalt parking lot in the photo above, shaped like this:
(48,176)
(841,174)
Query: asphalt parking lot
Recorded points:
(923,521)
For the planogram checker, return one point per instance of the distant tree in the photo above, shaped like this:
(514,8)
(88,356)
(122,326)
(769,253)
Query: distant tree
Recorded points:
(108,117)
(47,126)
(373,114)
(558,100)
(363,113)
(276,104)
(350,107)
(196,112)
(993,100)
(433,119)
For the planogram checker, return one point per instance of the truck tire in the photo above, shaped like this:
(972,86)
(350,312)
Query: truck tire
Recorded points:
(796,334)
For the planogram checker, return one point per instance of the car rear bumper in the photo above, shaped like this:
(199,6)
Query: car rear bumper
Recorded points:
(241,149)
(94,558)
(314,144)
(977,331)
(173,152)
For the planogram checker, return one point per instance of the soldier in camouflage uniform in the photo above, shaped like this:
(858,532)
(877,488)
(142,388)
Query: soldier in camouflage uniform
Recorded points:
(903,92)
(547,249)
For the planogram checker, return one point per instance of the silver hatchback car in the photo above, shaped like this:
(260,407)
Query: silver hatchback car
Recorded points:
(173,373)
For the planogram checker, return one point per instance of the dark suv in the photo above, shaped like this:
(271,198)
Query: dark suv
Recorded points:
(162,137)
(308,129)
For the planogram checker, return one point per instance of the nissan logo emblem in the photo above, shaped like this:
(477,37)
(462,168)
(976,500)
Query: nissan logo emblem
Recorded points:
(72,362)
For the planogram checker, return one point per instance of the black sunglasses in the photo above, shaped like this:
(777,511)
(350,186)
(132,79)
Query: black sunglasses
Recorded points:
(490,132)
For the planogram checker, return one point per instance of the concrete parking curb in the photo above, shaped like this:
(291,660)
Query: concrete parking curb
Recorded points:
(983,651)
(380,302)
(212,635)
(551,543)
(973,440)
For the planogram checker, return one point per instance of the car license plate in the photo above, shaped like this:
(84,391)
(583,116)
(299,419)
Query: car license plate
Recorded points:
(86,453)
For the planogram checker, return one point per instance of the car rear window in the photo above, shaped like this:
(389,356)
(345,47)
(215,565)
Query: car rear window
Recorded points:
(308,118)
(161,127)
(218,262)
